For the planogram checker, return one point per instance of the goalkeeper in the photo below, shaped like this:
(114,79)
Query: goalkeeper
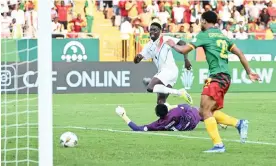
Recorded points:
(182,118)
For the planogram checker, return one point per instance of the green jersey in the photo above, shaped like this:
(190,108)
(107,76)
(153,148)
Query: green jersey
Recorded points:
(216,47)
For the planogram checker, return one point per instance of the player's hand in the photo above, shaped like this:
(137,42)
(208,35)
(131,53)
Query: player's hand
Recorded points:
(170,43)
(120,111)
(254,77)
(188,64)
(138,58)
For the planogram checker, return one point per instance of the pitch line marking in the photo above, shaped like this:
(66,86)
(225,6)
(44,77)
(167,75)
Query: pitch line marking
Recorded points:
(159,134)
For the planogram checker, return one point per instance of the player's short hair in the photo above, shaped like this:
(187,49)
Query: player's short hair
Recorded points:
(210,17)
(161,110)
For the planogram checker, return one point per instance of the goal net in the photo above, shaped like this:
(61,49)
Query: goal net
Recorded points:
(26,96)
(19,108)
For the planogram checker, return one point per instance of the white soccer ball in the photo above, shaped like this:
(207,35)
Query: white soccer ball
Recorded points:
(68,139)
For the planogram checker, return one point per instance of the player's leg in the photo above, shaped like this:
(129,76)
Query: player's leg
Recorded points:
(241,125)
(162,98)
(207,106)
(161,80)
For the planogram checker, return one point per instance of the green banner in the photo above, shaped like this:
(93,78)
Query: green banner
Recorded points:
(194,80)
(66,50)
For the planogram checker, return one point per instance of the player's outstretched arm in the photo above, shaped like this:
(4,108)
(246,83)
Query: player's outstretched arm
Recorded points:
(122,113)
(138,58)
(188,64)
(183,49)
(253,76)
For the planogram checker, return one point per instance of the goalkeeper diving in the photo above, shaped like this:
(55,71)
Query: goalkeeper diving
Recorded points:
(183,117)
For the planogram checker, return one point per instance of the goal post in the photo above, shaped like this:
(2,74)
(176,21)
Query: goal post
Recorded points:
(45,117)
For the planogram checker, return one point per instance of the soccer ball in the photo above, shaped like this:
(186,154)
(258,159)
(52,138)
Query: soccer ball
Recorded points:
(68,139)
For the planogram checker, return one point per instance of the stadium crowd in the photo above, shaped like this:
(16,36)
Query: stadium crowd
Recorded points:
(238,19)
(19,19)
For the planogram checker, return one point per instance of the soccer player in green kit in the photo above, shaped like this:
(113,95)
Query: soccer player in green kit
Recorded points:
(216,47)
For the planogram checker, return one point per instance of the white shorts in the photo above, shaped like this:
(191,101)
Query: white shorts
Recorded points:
(167,76)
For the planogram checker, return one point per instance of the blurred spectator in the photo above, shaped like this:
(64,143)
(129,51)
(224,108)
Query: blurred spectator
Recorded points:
(116,9)
(272,25)
(181,29)
(4,6)
(77,23)
(191,34)
(271,9)
(238,4)
(240,24)
(31,22)
(131,8)
(18,15)
(241,34)
(261,32)
(56,28)
(196,26)
(126,28)
(5,25)
(53,13)
(178,13)
(145,18)
(123,11)
(72,33)
(163,17)
(62,10)
(224,13)
(264,16)
(88,10)
(153,8)
(168,6)
(196,11)
(17,30)
(254,10)
(227,31)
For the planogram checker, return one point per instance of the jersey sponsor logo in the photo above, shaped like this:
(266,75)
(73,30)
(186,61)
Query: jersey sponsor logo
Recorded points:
(187,78)
(170,125)
(74,51)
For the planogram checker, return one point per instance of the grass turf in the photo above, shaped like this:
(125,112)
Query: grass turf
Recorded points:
(94,113)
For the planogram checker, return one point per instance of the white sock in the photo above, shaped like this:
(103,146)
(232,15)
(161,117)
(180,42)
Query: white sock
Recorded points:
(167,104)
(165,90)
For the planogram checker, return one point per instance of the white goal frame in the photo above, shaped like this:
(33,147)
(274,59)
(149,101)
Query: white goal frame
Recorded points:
(44,65)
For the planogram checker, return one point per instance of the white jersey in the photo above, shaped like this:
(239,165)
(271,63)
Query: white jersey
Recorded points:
(160,52)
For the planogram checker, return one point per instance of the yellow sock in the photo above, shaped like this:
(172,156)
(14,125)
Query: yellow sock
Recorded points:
(225,119)
(212,129)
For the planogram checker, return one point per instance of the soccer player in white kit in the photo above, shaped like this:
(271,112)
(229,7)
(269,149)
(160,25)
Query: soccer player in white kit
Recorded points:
(162,56)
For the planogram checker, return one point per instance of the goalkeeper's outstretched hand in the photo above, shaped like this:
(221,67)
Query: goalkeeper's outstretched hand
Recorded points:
(120,111)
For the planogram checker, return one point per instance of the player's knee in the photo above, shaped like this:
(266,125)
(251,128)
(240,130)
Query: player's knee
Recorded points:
(149,89)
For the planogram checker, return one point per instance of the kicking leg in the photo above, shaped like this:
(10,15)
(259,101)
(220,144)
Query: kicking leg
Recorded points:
(157,86)
(207,106)
(241,125)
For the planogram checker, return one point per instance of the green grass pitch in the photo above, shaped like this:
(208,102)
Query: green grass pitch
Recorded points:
(91,115)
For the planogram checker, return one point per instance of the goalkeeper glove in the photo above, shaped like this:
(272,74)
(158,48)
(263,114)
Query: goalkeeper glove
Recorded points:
(120,111)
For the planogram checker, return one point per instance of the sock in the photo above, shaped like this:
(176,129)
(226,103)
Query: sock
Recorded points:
(167,104)
(163,89)
(225,119)
(212,129)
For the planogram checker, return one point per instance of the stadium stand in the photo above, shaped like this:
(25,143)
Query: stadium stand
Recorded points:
(121,24)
